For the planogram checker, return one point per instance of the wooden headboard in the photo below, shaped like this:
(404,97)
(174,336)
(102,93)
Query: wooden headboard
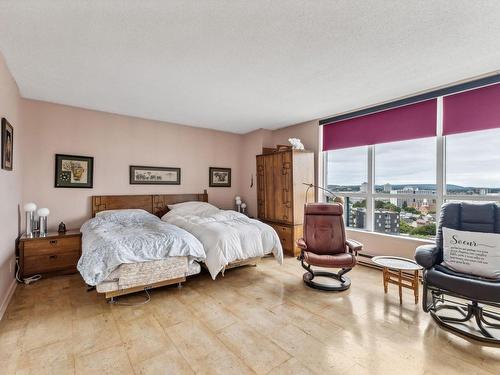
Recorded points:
(156,204)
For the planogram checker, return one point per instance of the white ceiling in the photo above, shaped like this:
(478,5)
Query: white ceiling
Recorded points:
(241,65)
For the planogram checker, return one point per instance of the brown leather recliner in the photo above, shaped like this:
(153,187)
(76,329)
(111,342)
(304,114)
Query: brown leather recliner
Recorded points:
(324,245)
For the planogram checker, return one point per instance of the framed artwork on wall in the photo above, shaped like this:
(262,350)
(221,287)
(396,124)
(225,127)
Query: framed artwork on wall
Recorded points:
(74,171)
(140,175)
(219,177)
(7,145)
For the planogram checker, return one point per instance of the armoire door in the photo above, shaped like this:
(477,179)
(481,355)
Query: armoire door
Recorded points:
(270,180)
(282,186)
(261,187)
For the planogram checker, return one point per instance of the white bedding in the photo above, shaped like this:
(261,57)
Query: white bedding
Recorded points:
(131,236)
(228,236)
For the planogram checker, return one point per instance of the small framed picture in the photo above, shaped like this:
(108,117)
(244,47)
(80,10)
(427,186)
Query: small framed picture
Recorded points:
(219,177)
(140,175)
(74,171)
(7,145)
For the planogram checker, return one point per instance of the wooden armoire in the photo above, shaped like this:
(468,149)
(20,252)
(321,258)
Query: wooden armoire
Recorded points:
(281,193)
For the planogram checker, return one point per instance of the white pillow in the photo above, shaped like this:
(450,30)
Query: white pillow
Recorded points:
(193,208)
(474,253)
(124,211)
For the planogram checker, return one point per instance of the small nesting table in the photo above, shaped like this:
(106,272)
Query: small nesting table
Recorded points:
(393,274)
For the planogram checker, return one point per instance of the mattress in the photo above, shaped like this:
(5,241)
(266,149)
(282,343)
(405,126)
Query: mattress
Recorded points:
(131,275)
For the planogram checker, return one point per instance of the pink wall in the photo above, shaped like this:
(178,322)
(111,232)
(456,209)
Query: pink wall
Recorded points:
(10,186)
(252,146)
(253,142)
(116,142)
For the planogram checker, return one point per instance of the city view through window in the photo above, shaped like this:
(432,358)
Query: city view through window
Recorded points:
(404,193)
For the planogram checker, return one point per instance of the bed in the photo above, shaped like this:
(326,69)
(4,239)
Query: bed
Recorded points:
(115,265)
(229,238)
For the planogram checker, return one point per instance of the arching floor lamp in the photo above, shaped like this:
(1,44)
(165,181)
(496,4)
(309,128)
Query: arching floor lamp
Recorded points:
(335,197)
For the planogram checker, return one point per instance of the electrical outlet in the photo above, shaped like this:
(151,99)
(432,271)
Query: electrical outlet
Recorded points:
(10,266)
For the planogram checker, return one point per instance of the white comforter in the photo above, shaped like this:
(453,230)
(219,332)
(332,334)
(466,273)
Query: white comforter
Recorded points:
(130,236)
(228,236)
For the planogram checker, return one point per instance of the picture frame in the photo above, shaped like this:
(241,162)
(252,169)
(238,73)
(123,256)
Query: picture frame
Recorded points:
(144,175)
(7,145)
(219,177)
(74,171)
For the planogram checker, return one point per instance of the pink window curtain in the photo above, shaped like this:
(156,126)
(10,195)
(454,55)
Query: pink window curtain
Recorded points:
(398,124)
(472,110)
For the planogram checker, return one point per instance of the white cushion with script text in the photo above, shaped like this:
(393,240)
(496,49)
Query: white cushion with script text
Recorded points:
(474,253)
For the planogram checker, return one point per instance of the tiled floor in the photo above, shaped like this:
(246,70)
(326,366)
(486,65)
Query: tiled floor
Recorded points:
(254,320)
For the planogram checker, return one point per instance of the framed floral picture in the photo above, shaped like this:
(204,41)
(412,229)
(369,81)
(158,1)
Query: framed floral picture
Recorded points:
(74,171)
(219,177)
(7,145)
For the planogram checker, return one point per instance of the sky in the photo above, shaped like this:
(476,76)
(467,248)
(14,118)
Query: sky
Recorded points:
(473,159)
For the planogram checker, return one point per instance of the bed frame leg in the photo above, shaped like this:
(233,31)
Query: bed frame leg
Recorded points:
(111,301)
(179,285)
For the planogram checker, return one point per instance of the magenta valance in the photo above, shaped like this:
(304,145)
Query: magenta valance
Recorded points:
(408,122)
(472,110)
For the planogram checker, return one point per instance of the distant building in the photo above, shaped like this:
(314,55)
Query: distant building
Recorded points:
(387,188)
(364,187)
(386,222)
(416,200)
(357,218)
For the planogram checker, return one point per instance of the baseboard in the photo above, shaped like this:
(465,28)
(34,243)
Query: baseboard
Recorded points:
(8,297)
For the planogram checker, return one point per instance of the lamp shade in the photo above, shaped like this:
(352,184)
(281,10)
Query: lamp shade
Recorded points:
(43,212)
(30,207)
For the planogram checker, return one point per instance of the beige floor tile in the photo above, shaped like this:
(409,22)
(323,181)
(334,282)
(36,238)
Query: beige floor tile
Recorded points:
(94,334)
(206,354)
(54,359)
(170,311)
(314,325)
(291,367)
(144,338)
(204,308)
(311,352)
(108,361)
(164,363)
(258,352)
(129,313)
(47,329)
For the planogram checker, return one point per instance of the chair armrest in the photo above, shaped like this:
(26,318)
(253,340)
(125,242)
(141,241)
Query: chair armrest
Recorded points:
(426,255)
(301,243)
(354,245)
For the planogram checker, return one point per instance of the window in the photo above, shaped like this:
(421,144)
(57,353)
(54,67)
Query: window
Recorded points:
(396,166)
(348,169)
(403,195)
(473,163)
(406,167)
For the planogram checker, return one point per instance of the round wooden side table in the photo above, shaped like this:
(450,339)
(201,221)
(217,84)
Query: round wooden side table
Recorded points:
(393,274)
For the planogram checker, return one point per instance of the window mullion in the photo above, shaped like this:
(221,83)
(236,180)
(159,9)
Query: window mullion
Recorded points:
(371,188)
(440,159)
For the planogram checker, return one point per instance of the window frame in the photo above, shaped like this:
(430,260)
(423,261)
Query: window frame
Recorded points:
(371,196)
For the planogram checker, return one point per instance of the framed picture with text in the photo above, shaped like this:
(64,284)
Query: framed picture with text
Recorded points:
(140,175)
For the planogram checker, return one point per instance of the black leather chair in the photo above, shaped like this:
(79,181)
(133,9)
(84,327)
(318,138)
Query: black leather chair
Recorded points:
(478,297)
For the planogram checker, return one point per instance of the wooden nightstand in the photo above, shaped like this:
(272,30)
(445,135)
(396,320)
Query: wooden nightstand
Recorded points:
(54,254)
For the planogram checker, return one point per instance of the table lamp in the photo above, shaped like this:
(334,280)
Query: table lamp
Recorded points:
(30,209)
(43,213)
